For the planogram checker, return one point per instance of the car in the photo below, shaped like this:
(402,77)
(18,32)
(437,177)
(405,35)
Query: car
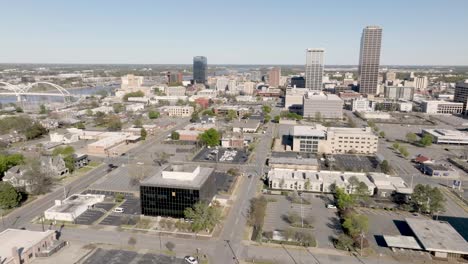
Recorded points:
(140,163)
(331,206)
(190,260)
(118,210)
(446,149)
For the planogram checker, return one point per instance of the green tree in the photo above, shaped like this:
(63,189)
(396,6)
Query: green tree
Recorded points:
(404,151)
(210,137)
(69,163)
(307,184)
(68,150)
(138,123)
(427,199)
(411,137)
(9,196)
(426,140)
(114,123)
(396,146)
(35,131)
(382,134)
(133,94)
(203,216)
(175,135)
(118,108)
(89,112)
(18,109)
(8,161)
(153,114)
(355,224)
(344,242)
(143,133)
(385,167)
(343,200)
(257,212)
(80,125)
(266,118)
(194,117)
(43,109)
(277,118)
(231,115)
(266,109)
(208,112)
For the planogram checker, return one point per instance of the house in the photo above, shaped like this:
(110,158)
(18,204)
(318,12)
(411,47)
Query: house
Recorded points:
(54,165)
(17,177)
(80,160)
(245,125)
(206,119)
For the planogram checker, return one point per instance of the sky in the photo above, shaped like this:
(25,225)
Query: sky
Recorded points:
(274,32)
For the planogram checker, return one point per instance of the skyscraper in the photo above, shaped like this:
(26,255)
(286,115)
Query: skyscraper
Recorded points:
(461,95)
(314,69)
(200,65)
(369,59)
(274,76)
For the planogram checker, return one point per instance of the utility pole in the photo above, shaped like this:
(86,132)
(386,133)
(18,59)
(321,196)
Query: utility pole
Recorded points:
(362,238)
(302,211)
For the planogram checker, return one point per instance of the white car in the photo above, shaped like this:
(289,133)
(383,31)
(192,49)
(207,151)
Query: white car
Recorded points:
(118,210)
(191,260)
(331,206)
(140,163)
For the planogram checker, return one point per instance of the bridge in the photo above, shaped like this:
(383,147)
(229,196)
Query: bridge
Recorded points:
(25,90)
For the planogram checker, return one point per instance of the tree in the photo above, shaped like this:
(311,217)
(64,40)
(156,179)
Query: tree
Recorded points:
(277,119)
(80,125)
(89,112)
(153,114)
(266,109)
(118,108)
(203,216)
(382,134)
(175,135)
(355,224)
(427,199)
(143,133)
(133,94)
(194,117)
(208,112)
(396,146)
(266,119)
(233,171)
(180,102)
(404,151)
(344,242)
(35,131)
(344,200)
(293,218)
(411,137)
(257,211)
(307,184)
(9,196)
(43,109)
(40,181)
(18,109)
(231,115)
(385,167)
(132,241)
(8,161)
(426,140)
(68,150)
(210,137)
(138,123)
(114,123)
(353,183)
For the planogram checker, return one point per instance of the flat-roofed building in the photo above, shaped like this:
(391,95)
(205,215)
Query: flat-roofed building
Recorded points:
(245,125)
(308,138)
(72,207)
(316,181)
(19,246)
(341,140)
(175,188)
(179,111)
(461,95)
(362,105)
(399,92)
(447,136)
(175,90)
(293,99)
(438,237)
(441,107)
(328,106)
(388,186)
(297,163)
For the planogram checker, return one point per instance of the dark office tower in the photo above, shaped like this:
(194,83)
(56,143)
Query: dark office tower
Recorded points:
(369,59)
(200,66)
(298,81)
(461,95)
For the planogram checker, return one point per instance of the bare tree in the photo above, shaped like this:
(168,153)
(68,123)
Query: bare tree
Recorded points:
(170,246)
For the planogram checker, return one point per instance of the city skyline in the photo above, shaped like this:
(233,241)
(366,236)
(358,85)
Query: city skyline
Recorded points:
(104,37)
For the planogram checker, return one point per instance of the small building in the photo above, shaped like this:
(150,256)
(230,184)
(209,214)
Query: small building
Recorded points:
(439,238)
(245,125)
(446,136)
(134,107)
(188,135)
(233,140)
(176,188)
(178,111)
(23,246)
(387,186)
(80,160)
(17,177)
(72,207)
(438,170)
(420,159)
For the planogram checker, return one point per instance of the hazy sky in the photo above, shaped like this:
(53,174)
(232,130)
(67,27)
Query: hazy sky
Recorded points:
(230,32)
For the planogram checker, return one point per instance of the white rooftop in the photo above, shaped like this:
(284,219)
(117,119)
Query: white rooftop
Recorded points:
(21,239)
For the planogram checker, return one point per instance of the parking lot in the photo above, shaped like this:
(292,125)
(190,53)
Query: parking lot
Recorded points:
(325,221)
(223,155)
(354,163)
(113,256)
(88,217)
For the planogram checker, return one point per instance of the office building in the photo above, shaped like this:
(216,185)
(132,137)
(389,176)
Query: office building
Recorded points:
(333,140)
(175,91)
(420,83)
(461,95)
(399,92)
(390,76)
(200,69)
(222,84)
(179,111)
(362,105)
(176,188)
(293,99)
(369,59)
(274,75)
(446,136)
(298,82)
(314,69)
(326,105)
(441,107)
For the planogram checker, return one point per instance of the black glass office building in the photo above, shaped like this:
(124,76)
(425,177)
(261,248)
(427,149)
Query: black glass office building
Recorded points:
(200,69)
(171,199)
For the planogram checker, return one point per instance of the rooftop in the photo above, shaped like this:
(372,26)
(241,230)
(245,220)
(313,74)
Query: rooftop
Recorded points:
(437,236)
(317,131)
(173,176)
(407,242)
(293,160)
(246,123)
(19,238)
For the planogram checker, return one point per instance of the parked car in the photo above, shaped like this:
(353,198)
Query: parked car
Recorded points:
(118,210)
(190,260)
(331,206)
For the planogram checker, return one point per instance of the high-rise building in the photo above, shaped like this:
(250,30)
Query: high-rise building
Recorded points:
(390,76)
(274,76)
(369,59)
(222,84)
(399,92)
(420,83)
(461,95)
(200,65)
(314,69)
(298,82)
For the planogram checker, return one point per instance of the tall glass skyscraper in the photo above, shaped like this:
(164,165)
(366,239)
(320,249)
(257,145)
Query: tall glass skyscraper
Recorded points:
(314,69)
(369,59)
(200,65)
